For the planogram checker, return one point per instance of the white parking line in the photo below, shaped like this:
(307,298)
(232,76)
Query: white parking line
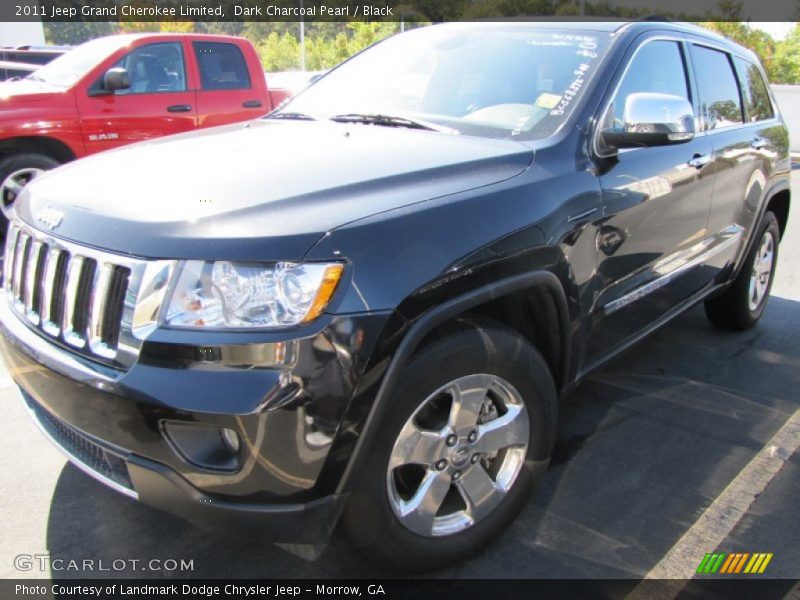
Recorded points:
(794,593)
(717,522)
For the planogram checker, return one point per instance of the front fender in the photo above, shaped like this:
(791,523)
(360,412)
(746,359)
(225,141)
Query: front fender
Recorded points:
(53,120)
(404,337)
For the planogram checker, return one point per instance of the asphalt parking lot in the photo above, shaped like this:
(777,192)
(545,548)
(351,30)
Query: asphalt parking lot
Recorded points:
(647,447)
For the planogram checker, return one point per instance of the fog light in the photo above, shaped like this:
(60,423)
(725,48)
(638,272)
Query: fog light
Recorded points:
(203,446)
(231,440)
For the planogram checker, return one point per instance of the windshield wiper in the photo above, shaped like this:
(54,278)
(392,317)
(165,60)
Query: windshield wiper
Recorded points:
(387,121)
(33,77)
(297,116)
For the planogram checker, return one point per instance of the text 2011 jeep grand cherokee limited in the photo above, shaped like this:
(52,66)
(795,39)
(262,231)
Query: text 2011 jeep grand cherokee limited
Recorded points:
(374,323)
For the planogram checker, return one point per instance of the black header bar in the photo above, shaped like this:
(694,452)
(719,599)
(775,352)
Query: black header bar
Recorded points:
(68,11)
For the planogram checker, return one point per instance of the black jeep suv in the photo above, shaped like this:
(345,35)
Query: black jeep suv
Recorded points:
(365,306)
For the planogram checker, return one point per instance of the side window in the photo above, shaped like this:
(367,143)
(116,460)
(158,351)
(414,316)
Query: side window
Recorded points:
(222,66)
(754,90)
(656,67)
(719,93)
(154,68)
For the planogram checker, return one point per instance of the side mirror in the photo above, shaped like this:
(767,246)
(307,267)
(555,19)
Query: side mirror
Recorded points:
(116,79)
(652,119)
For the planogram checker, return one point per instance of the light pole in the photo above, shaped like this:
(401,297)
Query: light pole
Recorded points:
(302,39)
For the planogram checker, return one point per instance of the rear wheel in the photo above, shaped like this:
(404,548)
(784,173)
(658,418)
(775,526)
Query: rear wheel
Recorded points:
(742,304)
(466,439)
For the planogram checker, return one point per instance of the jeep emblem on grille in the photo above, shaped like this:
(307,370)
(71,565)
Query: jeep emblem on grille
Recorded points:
(50,217)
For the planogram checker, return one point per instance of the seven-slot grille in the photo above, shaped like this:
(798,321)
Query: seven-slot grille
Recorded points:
(70,297)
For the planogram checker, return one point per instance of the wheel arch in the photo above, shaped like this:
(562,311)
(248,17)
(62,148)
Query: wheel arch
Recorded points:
(777,198)
(778,204)
(55,149)
(490,300)
(535,312)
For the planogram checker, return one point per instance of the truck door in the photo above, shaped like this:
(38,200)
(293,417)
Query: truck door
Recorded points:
(158,102)
(656,202)
(227,92)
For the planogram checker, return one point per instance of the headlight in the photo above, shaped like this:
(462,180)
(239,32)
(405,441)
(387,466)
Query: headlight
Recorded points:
(226,294)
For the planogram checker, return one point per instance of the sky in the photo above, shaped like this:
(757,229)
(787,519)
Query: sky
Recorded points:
(775,11)
(778,30)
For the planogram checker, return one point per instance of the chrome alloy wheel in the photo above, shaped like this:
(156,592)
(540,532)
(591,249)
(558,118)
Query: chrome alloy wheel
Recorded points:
(762,271)
(13,184)
(458,455)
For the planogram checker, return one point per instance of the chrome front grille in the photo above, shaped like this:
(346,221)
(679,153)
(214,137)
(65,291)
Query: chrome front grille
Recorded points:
(81,297)
(68,296)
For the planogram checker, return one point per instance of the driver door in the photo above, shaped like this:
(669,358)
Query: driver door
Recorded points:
(159,101)
(656,202)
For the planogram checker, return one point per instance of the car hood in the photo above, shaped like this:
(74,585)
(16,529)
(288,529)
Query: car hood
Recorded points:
(272,187)
(25,91)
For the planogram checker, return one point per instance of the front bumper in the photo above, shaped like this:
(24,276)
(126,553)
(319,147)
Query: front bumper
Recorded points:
(287,413)
(159,486)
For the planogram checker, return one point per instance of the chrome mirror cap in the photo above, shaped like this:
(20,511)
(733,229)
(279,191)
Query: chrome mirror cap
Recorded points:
(652,119)
(659,113)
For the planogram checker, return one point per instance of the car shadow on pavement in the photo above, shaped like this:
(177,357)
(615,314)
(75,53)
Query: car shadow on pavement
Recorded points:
(645,445)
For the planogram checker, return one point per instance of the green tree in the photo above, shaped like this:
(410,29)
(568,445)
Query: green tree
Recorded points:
(221,27)
(279,52)
(156,27)
(327,44)
(786,63)
(74,33)
(760,42)
(440,10)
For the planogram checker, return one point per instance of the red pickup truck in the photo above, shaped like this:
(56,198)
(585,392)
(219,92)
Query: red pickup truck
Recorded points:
(121,89)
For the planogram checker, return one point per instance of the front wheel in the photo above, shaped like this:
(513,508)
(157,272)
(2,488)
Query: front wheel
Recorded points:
(742,304)
(466,439)
(18,170)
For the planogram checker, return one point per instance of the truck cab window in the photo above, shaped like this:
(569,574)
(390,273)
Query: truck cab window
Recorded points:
(222,66)
(154,68)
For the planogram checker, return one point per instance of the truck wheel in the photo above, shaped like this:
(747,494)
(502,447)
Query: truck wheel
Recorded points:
(16,171)
(742,304)
(465,440)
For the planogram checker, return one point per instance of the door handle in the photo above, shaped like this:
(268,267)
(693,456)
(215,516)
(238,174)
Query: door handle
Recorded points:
(758,144)
(175,108)
(698,161)
(252,104)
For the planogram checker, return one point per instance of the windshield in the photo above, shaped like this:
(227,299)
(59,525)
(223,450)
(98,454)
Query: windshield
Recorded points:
(70,67)
(493,81)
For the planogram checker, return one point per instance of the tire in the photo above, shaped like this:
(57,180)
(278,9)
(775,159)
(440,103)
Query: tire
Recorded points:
(741,305)
(522,398)
(17,169)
